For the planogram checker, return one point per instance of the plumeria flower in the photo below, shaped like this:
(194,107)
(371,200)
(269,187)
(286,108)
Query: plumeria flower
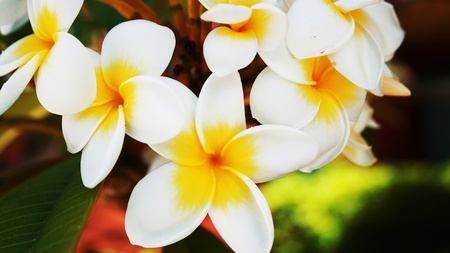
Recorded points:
(215,161)
(246,28)
(357,149)
(132,98)
(309,95)
(13,14)
(64,73)
(357,35)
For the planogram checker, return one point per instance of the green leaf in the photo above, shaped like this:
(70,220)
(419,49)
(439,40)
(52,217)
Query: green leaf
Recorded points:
(46,213)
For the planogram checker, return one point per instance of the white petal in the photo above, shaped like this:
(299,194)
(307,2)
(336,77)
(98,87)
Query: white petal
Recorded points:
(226,51)
(168,204)
(51,16)
(13,15)
(103,149)
(133,48)
(331,128)
(153,111)
(276,100)
(10,28)
(15,85)
(66,82)
(269,24)
(78,128)
(269,152)
(360,60)
(245,225)
(317,28)
(220,108)
(227,14)
(20,52)
(358,152)
(286,65)
(382,23)
(349,5)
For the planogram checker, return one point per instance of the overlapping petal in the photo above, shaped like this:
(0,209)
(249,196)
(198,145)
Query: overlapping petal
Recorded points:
(240,213)
(227,14)
(269,152)
(330,128)
(51,16)
(382,23)
(103,149)
(11,90)
(220,111)
(20,52)
(13,14)
(168,204)
(358,152)
(133,48)
(66,81)
(276,100)
(269,24)
(317,28)
(153,112)
(350,5)
(284,63)
(226,51)
(250,3)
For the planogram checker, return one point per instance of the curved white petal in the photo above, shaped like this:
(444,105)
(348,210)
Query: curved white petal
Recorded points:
(136,47)
(168,204)
(276,100)
(350,5)
(317,28)
(358,152)
(269,152)
(20,52)
(51,16)
(220,111)
(78,128)
(208,4)
(226,51)
(284,63)
(241,214)
(13,13)
(103,149)
(360,60)
(66,81)
(382,23)
(250,3)
(227,14)
(153,111)
(15,85)
(269,24)
(330,128)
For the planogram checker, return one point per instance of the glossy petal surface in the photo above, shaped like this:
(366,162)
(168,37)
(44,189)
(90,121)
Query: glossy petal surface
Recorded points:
(168,204)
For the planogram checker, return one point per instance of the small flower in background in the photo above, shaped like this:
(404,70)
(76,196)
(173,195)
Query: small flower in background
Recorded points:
(357,36)
(64,73)
(132,98)
(214,164)
(13,14)
(252,26)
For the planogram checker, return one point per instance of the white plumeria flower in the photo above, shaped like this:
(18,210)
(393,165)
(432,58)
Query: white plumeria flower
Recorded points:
(309,95)
(357,149)
(64,73)
(357,35)
(132,98)
(13,14)
(252,26)
(214,164)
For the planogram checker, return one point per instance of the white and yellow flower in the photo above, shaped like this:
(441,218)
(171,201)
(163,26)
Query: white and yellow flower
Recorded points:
(215,161)
(64,73)
(309,95)
(357,35)
(13,14)
(247,27)
(132,98)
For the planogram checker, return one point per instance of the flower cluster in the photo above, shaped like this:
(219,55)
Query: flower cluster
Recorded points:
(322,59)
